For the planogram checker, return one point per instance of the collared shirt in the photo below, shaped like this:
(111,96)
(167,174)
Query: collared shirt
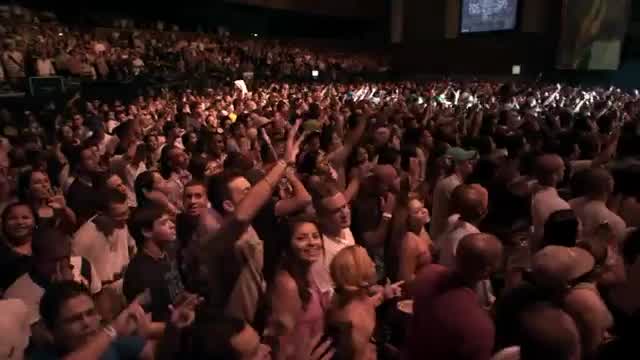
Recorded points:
(544,203)
(109,255)
(332,245)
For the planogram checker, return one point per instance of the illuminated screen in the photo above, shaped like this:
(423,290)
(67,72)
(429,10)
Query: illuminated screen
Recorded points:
(488,15)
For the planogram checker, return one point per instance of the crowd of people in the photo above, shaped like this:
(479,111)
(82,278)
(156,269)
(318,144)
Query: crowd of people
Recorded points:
(36,44)
(400,220)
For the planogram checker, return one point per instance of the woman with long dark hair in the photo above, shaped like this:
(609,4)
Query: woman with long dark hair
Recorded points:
(49,205)
(296,305)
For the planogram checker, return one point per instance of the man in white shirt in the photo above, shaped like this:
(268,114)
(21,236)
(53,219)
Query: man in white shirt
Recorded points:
(105,241)
(334,216)
(592,209)
(463,163)
(549,172)
(468,205)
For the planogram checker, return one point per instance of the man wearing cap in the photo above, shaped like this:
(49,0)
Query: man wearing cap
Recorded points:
(561,270)
(463,162)
(549,172)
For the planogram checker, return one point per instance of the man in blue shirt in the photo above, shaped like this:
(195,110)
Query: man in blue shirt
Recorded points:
(69,313)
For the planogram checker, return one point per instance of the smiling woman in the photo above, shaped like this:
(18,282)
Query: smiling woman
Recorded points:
(297,308)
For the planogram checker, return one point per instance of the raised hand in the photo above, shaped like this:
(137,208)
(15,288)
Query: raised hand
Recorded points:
(388,203)
(315,349)
(293,144)
(129,319)
(394,290)
(184,313)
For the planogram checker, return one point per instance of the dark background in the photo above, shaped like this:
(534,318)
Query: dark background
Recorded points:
(430,42)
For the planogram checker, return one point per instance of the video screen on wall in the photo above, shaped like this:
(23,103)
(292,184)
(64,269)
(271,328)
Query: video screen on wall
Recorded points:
(488,15)
(592,34)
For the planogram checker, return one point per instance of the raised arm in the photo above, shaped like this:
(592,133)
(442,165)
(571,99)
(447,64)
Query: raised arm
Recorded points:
(258,195)
(339,157)
(300,200)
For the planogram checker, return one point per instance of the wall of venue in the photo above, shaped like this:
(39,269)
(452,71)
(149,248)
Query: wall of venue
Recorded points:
(431,42)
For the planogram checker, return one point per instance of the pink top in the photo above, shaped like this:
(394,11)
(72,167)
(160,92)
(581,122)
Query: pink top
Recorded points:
(309,325)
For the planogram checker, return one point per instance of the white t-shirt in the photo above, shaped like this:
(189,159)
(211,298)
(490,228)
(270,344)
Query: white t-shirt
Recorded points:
(592,214)
(109,255)
(320,272)
(441,199)
(448,243)
(25,289)
(544,203)
(15,329)
(449,240)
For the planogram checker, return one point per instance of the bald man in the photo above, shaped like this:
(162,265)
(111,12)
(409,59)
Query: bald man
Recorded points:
(468,206)
(549,173)
(448,322)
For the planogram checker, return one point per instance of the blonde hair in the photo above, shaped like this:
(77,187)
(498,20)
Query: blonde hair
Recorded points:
(352,269)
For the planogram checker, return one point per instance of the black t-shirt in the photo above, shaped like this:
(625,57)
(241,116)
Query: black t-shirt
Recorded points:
(160,276)
(273,234)
(13,265)
(83,200)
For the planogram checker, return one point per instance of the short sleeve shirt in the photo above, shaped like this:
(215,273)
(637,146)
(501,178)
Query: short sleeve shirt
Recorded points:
(124,348)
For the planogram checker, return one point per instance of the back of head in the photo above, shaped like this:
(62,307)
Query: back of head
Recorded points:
(547,166)
(142,184)
(211,336)
(218,189)
(352,269)
(321,191)
(598,182)
(548,333)
(108,197)
(470,201)
(561,229)
(478,256)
